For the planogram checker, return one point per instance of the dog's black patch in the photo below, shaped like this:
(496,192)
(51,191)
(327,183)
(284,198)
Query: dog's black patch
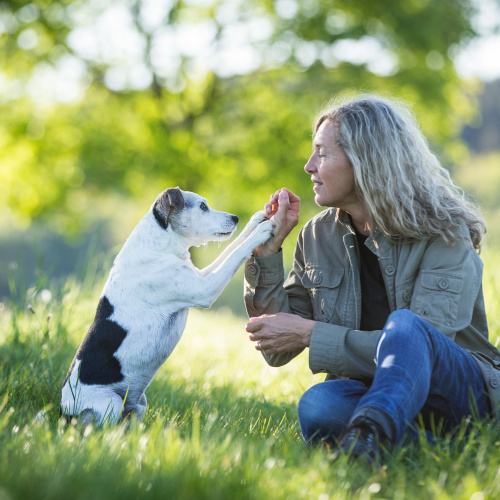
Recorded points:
(161,220)
(98,365)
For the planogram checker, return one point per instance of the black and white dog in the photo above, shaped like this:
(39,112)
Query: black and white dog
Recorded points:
(143,308)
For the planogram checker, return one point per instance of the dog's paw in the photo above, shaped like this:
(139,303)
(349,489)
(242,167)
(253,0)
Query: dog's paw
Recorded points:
(256,219)
(262,232)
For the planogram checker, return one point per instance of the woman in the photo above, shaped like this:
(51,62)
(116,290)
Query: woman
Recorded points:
(385,288)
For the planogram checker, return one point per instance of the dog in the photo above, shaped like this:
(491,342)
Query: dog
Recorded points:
(143,309)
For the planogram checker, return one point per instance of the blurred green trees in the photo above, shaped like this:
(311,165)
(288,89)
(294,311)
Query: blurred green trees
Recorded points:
(217,96)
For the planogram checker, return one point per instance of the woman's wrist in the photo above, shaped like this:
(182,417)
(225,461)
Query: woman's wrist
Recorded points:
(307,329)
(266,251)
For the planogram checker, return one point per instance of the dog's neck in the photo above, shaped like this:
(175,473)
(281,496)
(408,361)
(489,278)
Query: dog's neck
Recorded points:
(175,245)
(149,238)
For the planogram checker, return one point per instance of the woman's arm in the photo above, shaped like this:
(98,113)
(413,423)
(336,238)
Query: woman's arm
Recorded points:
(266,295)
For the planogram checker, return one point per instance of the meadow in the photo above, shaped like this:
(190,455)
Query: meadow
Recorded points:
(220,422)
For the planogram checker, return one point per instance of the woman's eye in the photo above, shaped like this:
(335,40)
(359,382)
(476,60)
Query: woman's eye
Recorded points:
(204,207)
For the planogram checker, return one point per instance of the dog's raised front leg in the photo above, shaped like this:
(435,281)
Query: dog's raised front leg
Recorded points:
(255,220)
(211,286)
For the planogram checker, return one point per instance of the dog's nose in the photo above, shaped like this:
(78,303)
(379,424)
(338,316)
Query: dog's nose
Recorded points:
(235,219)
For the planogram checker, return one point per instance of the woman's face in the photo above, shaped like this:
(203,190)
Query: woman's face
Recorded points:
(331,171)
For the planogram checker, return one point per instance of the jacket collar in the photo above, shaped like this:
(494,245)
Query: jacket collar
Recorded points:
(377,242)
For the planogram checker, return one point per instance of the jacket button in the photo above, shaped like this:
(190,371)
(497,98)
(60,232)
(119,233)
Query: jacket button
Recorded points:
(443,284)
(493,382)
(317,279)
(406,296)
(252,270)
(389,270)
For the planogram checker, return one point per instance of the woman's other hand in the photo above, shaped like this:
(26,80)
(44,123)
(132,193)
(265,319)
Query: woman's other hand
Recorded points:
(281,332)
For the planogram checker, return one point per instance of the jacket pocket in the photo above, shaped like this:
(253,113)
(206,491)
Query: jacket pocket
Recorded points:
(437,297)
(323,285)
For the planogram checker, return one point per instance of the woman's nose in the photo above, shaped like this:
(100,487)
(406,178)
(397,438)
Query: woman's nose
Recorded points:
(310,166)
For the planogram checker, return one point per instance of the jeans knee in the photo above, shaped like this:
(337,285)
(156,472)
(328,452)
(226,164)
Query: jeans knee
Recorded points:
(325,409)
(309,414)
(401,322)
(405,330)
(400,316)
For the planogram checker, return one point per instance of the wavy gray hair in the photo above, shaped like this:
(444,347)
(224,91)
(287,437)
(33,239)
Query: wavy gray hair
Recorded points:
(407,192)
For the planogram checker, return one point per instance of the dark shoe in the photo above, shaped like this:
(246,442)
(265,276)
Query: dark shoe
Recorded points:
(363,437)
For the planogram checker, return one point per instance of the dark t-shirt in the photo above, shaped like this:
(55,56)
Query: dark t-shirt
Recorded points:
(374,306)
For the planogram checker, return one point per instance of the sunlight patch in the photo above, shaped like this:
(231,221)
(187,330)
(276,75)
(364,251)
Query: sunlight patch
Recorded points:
(378,347)
(388,361)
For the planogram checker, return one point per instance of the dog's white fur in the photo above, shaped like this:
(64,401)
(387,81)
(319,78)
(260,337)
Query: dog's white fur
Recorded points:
(151,287)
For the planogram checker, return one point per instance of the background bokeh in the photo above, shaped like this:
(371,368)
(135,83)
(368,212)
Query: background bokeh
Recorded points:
(103,104)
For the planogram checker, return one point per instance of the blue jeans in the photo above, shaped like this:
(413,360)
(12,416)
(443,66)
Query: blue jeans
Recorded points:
(418,371)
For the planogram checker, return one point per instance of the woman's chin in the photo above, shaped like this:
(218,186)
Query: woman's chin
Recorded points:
(318,199)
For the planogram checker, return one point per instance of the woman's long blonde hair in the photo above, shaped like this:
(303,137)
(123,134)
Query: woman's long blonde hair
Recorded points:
(407,192)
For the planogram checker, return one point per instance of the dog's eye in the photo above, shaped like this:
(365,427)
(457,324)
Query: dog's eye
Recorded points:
(204,207)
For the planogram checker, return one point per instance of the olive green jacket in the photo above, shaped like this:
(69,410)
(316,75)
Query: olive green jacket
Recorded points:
(440,283)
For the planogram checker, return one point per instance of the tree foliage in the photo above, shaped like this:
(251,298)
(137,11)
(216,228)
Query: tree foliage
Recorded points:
(214,96)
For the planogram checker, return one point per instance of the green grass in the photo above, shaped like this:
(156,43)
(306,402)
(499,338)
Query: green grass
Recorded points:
(220,422)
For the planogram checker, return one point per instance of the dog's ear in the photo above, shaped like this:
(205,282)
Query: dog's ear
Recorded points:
(175,197)
(170,200)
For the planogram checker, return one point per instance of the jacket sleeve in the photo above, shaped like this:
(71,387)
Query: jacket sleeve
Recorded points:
(342,351)
(333,349)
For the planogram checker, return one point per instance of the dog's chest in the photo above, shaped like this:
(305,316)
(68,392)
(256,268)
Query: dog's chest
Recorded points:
(150,343)
(170,336)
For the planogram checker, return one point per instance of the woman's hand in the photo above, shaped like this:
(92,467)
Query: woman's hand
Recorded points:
(281,332)
(283,208)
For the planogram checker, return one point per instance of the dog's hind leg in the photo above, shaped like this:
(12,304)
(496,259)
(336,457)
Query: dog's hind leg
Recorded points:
(102,410)
(114,409)
(140,408)
(89,416)
(137,411)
